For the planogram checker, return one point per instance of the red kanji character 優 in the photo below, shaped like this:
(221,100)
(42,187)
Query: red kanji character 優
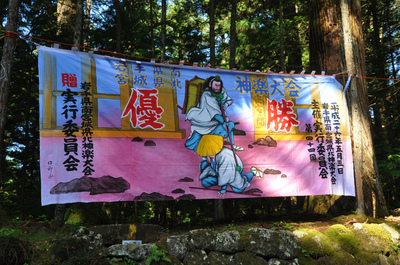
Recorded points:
(147,112)
(148,109)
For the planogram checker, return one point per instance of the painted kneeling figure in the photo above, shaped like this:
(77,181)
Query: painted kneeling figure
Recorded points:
(220,167)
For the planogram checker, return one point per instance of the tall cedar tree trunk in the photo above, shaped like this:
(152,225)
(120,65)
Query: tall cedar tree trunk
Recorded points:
(5,70)
(118,26)
(163,28)
(369,189)
(232,36)
(336,45)
(79,23)
(325,40)
(211,15)
(66,15)
(86,24)
(325,55)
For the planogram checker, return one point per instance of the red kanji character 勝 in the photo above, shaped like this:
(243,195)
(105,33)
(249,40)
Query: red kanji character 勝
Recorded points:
(280,116)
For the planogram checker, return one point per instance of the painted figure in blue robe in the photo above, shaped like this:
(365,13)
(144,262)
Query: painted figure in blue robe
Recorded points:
(207,117)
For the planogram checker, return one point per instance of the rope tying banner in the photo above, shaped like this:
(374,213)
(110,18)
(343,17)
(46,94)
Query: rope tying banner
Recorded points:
(10,34)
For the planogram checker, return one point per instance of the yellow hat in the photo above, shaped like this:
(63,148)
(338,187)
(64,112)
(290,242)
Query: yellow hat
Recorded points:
(209,145)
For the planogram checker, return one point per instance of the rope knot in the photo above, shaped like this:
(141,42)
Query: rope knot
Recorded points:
(11,34)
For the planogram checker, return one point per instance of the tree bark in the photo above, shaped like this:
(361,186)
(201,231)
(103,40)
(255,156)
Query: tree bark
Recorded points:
(325,46)
(78,23)
(86,24)
(66,14)
(6,67)
(118,26)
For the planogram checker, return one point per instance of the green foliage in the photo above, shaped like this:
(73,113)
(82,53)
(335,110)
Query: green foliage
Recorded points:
(389,170)
(125,261)
(157,255)
(281,225)
(185,21)
(186,220)
(36,231)
(10,232)
(307,253)
(396,247)
(41,218)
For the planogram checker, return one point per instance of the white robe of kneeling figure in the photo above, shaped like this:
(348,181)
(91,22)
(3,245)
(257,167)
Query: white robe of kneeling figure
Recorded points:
(226,170)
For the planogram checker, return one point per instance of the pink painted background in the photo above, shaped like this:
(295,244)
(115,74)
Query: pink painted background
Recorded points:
(160,168)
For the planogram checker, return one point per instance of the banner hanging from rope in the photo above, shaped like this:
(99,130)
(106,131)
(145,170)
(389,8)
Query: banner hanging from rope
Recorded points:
(119,130)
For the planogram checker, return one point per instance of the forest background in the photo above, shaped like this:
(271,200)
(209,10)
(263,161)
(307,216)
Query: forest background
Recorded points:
(268,35)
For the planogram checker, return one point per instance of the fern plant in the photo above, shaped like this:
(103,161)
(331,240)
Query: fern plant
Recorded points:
(157,255)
